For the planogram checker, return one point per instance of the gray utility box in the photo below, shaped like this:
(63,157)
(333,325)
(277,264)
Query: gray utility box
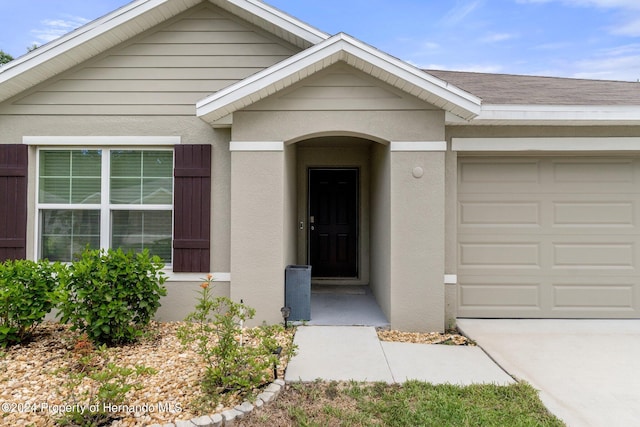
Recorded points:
(297,291)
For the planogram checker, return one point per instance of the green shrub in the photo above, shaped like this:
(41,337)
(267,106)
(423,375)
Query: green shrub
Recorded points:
(237,360)
(112,295)
(27,290)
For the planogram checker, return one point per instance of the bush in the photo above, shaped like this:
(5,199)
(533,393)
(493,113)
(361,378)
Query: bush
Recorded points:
(237,360)
(27,291)
(111,295)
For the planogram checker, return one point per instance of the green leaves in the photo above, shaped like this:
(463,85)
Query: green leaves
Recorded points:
(237,360)
(112,295)
(27,294)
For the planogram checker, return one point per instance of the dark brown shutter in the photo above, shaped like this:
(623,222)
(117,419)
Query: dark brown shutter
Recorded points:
(192,209)
(13,201)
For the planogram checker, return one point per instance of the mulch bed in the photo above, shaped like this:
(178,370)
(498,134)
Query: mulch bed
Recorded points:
(34,376)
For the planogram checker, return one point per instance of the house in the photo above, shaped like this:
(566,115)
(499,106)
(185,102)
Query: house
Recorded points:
(233,139)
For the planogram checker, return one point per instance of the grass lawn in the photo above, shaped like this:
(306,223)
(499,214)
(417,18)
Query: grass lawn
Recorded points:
(412,404)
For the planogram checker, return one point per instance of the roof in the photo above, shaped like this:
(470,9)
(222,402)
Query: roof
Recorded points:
(339,48)
(520,90)
(136,17)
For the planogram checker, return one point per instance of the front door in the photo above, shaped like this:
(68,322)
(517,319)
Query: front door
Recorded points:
(333,222)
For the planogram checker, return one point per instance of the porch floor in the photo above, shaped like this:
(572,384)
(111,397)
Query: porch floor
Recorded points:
(340,305)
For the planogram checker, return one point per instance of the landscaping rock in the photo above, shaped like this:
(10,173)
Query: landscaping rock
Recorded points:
(245,408)
(204,421)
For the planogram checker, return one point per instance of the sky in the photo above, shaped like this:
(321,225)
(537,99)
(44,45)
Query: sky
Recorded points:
(593,39)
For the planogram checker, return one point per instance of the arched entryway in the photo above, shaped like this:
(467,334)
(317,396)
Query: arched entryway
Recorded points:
(338,207)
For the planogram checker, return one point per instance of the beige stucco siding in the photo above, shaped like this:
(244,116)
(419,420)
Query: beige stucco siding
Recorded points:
(163,72)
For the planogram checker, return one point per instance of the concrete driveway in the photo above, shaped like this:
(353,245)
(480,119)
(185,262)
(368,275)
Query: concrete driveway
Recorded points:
(587,371)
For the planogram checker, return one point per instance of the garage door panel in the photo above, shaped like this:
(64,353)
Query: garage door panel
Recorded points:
(506,295)
(496,213)
(593,171)
(597,297)
(518,255)
(593,255)
(549,237)
(593,214)
(500,175)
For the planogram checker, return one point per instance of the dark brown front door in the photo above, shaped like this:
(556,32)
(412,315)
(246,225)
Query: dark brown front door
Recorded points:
(333,222)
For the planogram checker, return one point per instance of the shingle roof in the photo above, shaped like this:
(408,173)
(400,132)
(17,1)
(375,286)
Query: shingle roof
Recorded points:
(533,90)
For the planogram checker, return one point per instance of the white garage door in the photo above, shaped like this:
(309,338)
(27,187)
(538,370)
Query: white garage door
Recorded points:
(549,237)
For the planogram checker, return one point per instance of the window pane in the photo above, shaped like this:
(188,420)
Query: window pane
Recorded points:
(55,163)
(142,177)
(126,164)
(137,230)
(70,176)
(86,163)
(54,190)
(66,233)
(85,190)
(157,191)
(158,164)
(126,191)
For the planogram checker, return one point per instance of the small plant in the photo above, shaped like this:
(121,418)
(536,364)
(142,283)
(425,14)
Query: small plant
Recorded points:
(108,385)
(111,295)
(27,290)
(237,360)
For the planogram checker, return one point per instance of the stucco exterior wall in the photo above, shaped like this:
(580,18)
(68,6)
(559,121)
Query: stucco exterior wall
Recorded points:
(417,240)
(258,237)
(380,282)
(379,126)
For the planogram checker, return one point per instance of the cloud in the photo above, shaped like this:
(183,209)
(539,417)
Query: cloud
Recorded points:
(630,28)
(606,4)
(460,11)
(497,37)
(618,63)
(55,28)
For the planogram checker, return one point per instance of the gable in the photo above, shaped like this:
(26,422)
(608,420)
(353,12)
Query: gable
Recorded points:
(340,88)
(339,49)
(165,71)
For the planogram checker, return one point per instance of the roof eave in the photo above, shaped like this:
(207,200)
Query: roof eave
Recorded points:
(510,114)
(274,21)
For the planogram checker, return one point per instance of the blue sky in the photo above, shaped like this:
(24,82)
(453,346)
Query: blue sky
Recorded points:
(568,38)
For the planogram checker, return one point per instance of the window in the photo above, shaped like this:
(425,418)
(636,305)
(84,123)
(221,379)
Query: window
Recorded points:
(104,198)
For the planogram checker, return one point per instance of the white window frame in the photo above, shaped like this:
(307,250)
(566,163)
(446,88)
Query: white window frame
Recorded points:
(105,207)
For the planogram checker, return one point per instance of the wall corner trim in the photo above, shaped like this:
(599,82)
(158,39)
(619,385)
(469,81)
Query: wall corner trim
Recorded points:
(418,146)
(256,146)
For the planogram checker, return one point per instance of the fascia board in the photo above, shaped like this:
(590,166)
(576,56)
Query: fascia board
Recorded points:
(558,113)
(76,38)
(441,89)
(327,53)
(551,144)
(278,18)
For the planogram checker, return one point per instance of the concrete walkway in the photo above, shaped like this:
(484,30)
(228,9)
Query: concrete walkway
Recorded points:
(345,353)
(587,371)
